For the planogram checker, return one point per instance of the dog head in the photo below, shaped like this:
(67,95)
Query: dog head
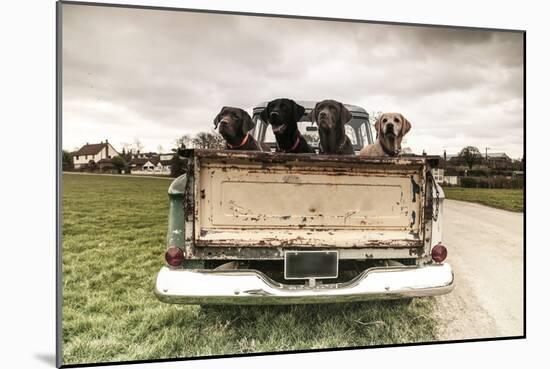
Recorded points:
(234,123)
(392,125)
(330,115)
(282,114)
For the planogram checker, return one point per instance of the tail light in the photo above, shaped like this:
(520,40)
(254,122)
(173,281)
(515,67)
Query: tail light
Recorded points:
(439,253)
(173,256)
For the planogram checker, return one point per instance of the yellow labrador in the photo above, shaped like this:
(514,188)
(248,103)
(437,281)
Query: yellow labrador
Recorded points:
(390,129)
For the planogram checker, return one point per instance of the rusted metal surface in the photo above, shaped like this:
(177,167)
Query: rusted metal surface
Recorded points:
(253,205)
(276,253)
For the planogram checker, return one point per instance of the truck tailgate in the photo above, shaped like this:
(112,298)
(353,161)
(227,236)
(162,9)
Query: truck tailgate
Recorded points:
(245,199)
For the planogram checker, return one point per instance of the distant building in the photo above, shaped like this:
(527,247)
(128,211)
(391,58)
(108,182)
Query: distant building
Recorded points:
(441,178)
(156,164)
(93,154)
(497,160)
(438,174)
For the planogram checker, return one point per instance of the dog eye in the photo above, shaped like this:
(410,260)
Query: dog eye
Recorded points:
(385,120)
(396,120)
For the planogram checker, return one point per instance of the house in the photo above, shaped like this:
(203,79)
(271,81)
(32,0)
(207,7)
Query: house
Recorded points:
(497,160)
(91,154)
(450,180)
(156,164)
(438,174)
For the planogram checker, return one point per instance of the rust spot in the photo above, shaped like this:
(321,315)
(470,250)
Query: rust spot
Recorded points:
(312,210)
(416,251)
(285,217)
(203,194)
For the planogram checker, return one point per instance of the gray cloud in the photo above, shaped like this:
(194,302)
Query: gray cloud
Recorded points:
(157,74)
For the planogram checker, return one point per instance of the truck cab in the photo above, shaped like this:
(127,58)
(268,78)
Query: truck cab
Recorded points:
(357,129)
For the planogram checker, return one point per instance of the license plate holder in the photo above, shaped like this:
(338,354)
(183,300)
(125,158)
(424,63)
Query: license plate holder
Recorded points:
(300,264)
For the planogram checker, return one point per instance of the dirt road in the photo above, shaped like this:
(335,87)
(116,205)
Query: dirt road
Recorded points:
(486,252)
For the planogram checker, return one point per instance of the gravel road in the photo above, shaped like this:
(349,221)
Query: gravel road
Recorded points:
(486,252)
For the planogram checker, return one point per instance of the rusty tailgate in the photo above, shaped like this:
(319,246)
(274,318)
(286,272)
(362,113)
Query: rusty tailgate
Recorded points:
(245,199)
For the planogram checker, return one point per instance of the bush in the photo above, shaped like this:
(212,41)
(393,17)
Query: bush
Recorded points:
(491,182)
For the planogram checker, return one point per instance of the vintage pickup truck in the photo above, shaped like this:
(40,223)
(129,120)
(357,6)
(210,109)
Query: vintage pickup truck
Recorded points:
(273,228)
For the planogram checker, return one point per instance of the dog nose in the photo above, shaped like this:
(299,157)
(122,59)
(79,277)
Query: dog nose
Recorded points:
(273,114)
(323,115)
(389,126)
(223,121)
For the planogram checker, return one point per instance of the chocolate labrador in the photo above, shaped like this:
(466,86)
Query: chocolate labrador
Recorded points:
(331,117)
(284,115)
(390,129)
(235,124)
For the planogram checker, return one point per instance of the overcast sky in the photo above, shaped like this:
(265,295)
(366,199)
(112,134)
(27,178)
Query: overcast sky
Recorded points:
(156,75)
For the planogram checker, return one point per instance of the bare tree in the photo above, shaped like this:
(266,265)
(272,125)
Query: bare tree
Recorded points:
(184,142)
(470,155)
(207,140)
(138,146)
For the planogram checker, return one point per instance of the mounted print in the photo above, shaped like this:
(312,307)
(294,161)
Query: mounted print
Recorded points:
(235,184)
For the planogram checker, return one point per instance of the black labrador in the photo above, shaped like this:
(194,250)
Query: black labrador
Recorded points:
(283,115)
(235,124)
(331,117)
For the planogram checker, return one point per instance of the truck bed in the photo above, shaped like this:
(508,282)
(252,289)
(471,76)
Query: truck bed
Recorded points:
(269,200)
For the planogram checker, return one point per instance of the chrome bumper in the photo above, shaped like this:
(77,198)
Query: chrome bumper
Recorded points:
(180,286)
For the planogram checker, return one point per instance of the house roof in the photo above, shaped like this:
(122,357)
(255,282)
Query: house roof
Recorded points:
(90,149)
(497,155)
(153,160)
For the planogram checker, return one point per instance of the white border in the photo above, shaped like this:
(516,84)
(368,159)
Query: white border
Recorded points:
(27,211)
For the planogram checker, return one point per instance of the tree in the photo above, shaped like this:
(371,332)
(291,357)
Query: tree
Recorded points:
(470,155)
(207,140)
(138,146)
(119,163)
(67,160)
(183,142)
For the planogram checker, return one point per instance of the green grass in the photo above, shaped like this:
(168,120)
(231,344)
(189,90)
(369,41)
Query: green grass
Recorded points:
(498,198)
(113,240)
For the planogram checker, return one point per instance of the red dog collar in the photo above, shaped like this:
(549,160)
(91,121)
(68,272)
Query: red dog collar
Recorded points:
(244,141)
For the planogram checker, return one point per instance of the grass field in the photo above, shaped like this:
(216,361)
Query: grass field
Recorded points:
(499,198)
(113,240)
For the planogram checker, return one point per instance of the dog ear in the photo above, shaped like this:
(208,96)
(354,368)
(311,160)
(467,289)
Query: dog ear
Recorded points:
(406,125)
(265,113)
(313,114)
(299,111)
(345,115)
(248,124)
(217,118)
(378,125)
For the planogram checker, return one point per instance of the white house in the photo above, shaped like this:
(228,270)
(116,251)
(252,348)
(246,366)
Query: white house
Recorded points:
(438,174)
(157,164)
(93,152)
(451,180)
